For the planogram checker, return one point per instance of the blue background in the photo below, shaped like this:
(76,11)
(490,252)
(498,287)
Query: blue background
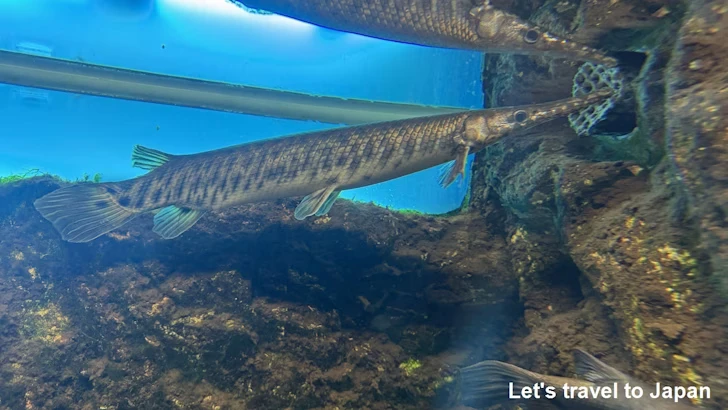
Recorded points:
(70,135)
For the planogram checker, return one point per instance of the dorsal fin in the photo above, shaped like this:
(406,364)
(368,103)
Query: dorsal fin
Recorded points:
(147,158)
(594,370)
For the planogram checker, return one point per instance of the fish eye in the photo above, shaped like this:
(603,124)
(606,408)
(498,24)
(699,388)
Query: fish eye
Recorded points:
(531,36)
(520,116)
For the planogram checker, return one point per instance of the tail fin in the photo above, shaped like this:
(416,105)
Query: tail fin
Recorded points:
(82,213)
(487,383)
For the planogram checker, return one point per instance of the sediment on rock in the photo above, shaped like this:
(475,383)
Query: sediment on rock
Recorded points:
(612,247)
(249,309)
(601,235)
(698,128)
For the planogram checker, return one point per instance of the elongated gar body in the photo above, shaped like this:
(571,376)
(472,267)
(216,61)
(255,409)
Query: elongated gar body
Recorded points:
(461,24)
(317,164)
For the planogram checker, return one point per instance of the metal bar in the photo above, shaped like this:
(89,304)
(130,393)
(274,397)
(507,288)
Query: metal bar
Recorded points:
(82,78)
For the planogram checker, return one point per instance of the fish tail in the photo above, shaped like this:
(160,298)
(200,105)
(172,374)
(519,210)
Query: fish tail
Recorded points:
(488,383)
(83,212)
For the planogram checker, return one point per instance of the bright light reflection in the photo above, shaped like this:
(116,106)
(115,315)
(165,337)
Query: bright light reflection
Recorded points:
(226,9)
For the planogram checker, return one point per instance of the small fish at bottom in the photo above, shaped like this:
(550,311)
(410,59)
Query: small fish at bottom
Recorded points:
(316,164)
(603,388)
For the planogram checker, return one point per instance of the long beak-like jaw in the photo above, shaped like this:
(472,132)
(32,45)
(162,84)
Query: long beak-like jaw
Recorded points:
(494,124)
(501,31)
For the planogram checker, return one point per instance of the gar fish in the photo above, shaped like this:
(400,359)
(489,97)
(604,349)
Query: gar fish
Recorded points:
(460,24)
(317,164)
(489,383)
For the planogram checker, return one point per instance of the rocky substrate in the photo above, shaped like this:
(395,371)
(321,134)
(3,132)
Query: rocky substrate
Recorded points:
(249,309)
(613,243)
(633,213)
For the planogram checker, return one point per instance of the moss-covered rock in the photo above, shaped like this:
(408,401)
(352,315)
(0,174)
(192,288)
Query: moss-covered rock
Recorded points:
(606,238)
(251,309)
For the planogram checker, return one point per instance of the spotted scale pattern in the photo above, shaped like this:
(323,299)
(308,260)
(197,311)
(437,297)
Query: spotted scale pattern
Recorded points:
(444,23)
(297,165)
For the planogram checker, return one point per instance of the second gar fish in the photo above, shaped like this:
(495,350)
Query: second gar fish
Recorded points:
(317,164)
(460,24)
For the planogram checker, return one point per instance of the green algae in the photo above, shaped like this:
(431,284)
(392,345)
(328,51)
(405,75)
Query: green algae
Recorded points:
(9,179)
(409,366)
(35,172)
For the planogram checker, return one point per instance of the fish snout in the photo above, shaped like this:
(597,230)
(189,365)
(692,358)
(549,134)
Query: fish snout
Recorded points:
(506,32)
(577,51)
(549,111)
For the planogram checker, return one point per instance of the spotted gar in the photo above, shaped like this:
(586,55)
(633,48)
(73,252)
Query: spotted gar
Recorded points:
(318,165)
(460,24)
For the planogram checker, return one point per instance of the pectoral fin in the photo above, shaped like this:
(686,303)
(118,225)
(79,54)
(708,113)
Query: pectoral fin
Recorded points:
(450,172)
(316,203)
(172,221)
(326,207)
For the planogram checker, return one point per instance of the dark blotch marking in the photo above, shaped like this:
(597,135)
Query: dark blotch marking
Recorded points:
(124,201)
(307,159)
(167,179)
(236,181)
(409,154)
(341,161)
(277,170)
(142,194)
(328,163)
(215,173)
(229,166)
(247,186)
(356,163)
(386,155)
(181,187)
(100,204)
(368,148)
(156,196)
(260,184)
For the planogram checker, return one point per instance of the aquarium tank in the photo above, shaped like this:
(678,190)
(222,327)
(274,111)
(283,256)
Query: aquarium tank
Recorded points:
(363,204)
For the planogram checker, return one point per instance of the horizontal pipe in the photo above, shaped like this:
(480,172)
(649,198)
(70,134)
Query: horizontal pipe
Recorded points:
(83,78)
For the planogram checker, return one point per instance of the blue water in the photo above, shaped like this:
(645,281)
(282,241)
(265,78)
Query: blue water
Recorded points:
(71,135)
